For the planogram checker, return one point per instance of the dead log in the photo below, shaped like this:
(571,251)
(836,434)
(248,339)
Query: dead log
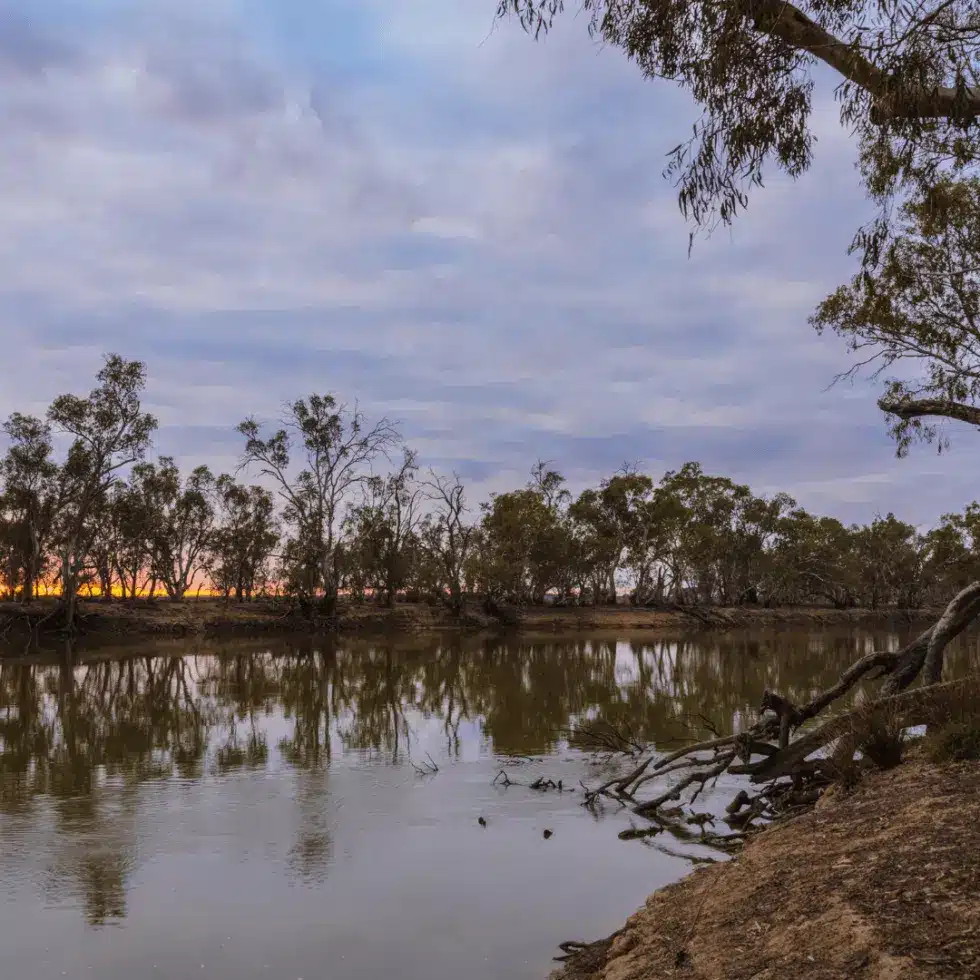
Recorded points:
(916,707)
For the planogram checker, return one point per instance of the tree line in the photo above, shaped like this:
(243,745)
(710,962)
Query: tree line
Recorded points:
(341,506)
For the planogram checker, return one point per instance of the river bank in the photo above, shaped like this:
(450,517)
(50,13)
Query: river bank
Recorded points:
(880,883)
(215,617)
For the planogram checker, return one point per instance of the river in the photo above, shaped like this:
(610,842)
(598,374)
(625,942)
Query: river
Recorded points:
(297,810)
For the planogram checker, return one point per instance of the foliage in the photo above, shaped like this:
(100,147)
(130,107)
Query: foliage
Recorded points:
(29,502)
(908,83)
(182,523)
(920,306)
(383,528)
(108,431)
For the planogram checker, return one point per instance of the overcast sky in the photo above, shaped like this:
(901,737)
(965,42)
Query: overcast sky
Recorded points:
(465,230)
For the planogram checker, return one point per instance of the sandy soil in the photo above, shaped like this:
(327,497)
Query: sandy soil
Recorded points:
(216,617)
(880,884)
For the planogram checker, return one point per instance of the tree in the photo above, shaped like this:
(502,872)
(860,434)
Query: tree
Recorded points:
(182,519)
(889,557)
(909,88)
(447,537)
(952,551)
(709,505)
(244,540)
(920,306)
(908,84)
(522,547)
(30,495)
(103,560)
(135,513)
(813,560)
(384,528)
(649,548)
(338,450)
(109,431)
(607,520)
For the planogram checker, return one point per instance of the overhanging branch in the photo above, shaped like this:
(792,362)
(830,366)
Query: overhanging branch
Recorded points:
(891,101)
(915,408)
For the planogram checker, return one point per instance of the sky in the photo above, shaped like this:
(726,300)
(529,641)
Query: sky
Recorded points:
(464,230)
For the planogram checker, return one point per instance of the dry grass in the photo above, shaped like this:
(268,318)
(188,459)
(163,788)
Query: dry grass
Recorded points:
(875,739)
(954,732)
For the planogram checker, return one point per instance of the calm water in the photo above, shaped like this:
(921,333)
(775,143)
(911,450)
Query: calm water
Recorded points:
(250,810)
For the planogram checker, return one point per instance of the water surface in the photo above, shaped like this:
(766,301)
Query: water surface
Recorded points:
(253,809)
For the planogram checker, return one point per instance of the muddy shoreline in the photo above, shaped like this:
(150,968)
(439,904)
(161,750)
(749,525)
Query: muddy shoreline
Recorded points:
(878,884)
(119,619)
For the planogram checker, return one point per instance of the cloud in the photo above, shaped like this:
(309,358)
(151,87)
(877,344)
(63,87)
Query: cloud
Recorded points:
(463,230)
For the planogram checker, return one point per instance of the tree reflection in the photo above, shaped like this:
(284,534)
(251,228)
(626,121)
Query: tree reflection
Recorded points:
(80,735)
(102,877)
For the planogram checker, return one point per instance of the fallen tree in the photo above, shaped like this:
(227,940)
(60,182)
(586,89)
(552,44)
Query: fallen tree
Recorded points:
(769,756)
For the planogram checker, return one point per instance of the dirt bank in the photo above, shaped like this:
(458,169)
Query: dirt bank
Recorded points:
(545,619)
(216,617)
(881,884)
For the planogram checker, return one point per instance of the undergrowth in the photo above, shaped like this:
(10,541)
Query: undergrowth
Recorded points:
(954,733)
(875,740)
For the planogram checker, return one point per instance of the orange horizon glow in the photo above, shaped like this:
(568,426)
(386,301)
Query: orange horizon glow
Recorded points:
(45,590)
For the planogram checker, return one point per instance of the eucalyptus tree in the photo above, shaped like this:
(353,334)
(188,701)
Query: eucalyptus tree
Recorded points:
(109,431)
(523,546)
(384,528)
(906,75)
(182,522)
(918,311)
(30,497)
(889,555)
(907,78)
(708,505)
(447,536)
(135,513)
(607,519)
(952,551)
(246,535)
(11,553)
(814,562)
(338,448)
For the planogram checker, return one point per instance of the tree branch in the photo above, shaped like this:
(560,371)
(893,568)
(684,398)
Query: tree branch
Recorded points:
(784,21)
(914,707)
(963,609)
(914,408)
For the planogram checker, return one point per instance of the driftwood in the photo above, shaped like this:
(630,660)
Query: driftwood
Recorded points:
(427,767)
(918,707)
(768,754)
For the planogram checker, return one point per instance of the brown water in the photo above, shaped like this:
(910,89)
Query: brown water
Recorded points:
(250,810)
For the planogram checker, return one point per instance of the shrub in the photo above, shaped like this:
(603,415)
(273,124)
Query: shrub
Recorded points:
(956,741)
(842,766)
(878,735)
(953,731)
(875,737)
